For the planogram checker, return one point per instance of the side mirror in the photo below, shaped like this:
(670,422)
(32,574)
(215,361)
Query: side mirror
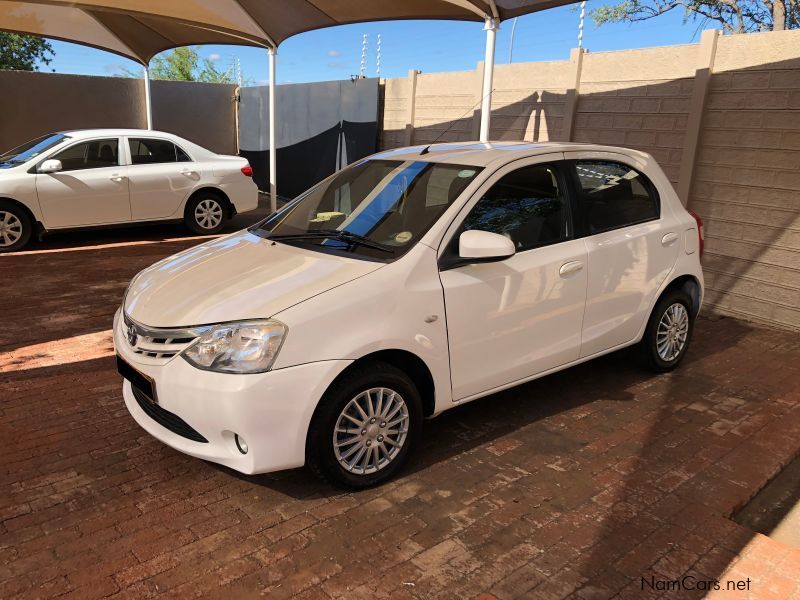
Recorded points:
(51,165)
(484,246)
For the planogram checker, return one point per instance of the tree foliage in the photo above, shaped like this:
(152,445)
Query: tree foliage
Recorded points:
(186,64)
(24,52)
(735,16)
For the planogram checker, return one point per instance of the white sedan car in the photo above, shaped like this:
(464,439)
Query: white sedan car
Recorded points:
(101,177)
(404,285)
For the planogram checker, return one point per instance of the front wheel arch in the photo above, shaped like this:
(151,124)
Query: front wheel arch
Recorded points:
(408,362)
(28,219)
(37,223)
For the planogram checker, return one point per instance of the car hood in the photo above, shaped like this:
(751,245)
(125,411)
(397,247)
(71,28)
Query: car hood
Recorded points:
(240,276)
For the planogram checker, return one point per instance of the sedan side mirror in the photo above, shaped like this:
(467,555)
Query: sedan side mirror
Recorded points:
(50,166)
(484,246)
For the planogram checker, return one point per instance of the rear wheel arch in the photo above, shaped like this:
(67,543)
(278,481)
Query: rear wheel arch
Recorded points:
(229,208)
(690,285)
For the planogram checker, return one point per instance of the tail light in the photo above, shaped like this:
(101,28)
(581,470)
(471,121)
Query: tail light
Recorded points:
(700,239)
(247,171)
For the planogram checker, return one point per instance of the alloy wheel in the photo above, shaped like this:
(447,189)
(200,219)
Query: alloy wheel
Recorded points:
(371,431)
(208,213)
(672,332)
(10,229)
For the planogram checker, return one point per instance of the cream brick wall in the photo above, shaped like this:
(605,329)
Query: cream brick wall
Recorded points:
(745,182)
(648,115)
(747,179)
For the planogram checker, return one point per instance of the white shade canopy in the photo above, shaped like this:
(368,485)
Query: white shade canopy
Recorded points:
(136,34)
(140,29)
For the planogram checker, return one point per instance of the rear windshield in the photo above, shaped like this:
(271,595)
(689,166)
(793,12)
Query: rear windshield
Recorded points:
(30,150)
(374,209)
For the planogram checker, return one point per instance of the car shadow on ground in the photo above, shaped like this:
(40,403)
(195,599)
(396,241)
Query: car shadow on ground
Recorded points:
(530,410)
(150,232)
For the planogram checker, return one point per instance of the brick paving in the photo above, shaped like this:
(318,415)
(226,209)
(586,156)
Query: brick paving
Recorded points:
(582,484)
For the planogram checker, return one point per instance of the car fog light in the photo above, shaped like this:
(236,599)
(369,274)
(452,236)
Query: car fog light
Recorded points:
(240,443)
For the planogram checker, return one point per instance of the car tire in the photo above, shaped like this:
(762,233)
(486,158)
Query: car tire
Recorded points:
(340,433)
(668,334)
(205,213)
(16,227)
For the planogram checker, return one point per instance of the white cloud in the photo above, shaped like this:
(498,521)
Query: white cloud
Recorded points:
(334,53)
(214,57)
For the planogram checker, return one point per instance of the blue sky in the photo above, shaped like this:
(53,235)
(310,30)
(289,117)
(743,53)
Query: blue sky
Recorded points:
(430,46)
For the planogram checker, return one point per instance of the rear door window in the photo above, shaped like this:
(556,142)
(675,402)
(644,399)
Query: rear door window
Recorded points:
(149,151)
(614,195)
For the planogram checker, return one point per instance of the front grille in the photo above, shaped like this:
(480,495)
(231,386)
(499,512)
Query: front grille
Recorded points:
(165,418)
(159,344)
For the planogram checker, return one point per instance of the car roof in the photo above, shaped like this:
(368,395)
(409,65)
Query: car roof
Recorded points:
(85,133)
(482,154)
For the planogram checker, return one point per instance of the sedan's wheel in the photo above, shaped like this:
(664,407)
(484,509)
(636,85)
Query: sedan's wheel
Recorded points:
(668,332)
(364,427)
(205,214)
(15,227)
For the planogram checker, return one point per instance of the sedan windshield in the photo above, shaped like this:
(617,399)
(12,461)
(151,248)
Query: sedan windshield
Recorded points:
(374,209)
(30,150)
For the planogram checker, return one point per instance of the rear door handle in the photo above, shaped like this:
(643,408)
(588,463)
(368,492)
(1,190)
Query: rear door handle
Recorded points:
(187,172)
(117,178)
(569,268)
(669,239)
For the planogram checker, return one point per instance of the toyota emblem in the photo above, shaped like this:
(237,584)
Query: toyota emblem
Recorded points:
(132,335)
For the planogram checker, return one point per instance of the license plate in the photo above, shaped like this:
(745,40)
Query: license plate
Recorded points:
(140,380)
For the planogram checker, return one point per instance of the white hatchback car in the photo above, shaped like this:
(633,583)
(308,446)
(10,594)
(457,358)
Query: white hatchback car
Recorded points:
(101,177)
(404,285)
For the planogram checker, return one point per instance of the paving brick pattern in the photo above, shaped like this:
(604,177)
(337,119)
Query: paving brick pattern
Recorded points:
(578,485)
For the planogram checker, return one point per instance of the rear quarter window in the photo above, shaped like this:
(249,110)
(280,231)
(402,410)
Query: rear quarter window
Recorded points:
(614,195)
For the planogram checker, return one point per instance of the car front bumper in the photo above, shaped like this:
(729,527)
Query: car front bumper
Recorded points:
(270,411)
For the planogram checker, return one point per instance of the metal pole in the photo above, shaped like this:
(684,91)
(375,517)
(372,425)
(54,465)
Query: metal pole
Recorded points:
(511,45)
(491,26)
(580,26)
(148,104)
(273,150)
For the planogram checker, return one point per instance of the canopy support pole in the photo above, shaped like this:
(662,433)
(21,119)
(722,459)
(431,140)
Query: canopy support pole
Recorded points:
(490,27)
(273,150)
(148,104)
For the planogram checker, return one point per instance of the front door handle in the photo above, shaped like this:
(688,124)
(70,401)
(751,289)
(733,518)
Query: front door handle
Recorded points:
(669,239)
(569,268)
(117,178)
(188,172)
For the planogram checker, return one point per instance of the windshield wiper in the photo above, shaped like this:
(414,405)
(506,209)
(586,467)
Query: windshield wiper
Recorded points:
(353,239)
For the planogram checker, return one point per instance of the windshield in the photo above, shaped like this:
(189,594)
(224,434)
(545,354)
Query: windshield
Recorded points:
(374,208)
(30,150)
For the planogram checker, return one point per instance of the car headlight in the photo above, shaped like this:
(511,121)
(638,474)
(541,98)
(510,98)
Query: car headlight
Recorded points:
(246,347)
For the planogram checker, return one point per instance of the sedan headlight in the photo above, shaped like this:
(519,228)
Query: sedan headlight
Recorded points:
(246,347)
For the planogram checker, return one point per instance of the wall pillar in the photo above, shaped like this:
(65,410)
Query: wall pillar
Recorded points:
(706,52)
(408,136)
(571,103)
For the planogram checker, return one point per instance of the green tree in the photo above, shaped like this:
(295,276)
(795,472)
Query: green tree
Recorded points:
(24,52)
(186,64)
(735,16)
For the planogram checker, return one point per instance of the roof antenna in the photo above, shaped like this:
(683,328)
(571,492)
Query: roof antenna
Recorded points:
(427,148)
